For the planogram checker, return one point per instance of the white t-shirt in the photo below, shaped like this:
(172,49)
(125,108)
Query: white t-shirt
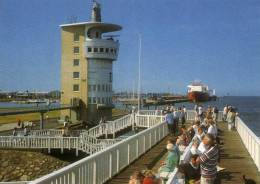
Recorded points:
(213,130)
(200,110)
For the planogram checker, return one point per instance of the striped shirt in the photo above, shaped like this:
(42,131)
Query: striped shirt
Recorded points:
(208,162)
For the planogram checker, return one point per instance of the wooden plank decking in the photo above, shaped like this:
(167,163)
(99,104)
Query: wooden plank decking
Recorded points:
(233,156)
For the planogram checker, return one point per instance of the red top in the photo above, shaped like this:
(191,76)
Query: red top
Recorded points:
(148,180)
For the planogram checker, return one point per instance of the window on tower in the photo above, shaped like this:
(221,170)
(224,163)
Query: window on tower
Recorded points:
(89,49)
(76,75)
(95,49)
(76,37)
(76,50)
(76,62)
(98,87)
(75,87)
(107,50)
(101,49)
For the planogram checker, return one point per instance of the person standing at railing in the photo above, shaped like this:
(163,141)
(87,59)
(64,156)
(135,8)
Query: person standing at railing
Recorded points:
(225,111)
(102,125)
(185,112)
(231,116)
(215,114)
(176,117)
(208,160)
(182,116)
(15,131)
(196,109)
(200,112)
(170,122)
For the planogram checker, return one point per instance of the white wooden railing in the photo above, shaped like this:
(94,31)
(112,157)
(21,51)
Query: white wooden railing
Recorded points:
(148,120)
(51,132)
(250,140)
(101,166)
(49,143)
(111,127)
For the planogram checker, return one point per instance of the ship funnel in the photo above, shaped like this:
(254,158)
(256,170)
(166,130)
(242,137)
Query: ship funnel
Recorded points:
(96,12)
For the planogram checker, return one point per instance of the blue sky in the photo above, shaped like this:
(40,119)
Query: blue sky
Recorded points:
(215,41)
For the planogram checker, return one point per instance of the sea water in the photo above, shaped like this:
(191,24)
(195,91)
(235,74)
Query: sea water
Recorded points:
(248,108)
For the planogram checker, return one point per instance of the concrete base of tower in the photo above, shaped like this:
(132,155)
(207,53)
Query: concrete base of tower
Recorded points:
(98,111)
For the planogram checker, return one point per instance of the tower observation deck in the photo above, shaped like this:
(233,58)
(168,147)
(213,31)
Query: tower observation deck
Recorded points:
(94,53)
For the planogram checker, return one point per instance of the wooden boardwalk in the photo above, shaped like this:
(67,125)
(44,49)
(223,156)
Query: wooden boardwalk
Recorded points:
(235,158)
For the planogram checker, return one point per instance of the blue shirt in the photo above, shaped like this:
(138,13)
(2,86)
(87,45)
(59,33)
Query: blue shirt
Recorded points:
(169,118)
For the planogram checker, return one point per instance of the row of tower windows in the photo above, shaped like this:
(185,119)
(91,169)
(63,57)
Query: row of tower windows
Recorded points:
(98,100)
(99,87)
(102,50)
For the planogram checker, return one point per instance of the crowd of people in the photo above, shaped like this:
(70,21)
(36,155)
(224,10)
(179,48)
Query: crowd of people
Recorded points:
(200,137)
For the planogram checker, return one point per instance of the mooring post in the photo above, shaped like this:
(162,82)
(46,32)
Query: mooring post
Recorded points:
(41,120)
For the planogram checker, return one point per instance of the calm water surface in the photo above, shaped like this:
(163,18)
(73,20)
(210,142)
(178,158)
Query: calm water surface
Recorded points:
(248,107)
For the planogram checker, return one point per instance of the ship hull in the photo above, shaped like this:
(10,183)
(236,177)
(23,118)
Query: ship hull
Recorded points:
(197,96)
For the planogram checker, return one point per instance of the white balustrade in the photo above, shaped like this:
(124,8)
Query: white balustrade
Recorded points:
(101,166)
(250,140)
(147,121)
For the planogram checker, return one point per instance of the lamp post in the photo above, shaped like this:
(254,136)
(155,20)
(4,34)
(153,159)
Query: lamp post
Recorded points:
(139,72)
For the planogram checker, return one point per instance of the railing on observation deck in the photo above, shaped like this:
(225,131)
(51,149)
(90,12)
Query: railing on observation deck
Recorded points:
(111,127)
(39,142)
(250,140)
(51,133)
(102,165)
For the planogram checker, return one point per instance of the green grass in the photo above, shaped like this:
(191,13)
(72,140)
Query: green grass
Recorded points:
(51,114)
(27,117)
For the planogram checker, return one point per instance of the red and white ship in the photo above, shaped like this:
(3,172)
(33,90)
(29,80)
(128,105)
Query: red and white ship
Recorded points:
(198,92)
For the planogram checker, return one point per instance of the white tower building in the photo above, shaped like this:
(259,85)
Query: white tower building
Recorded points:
(96,53)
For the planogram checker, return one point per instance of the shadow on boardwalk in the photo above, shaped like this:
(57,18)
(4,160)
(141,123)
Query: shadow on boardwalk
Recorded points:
(235,158)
